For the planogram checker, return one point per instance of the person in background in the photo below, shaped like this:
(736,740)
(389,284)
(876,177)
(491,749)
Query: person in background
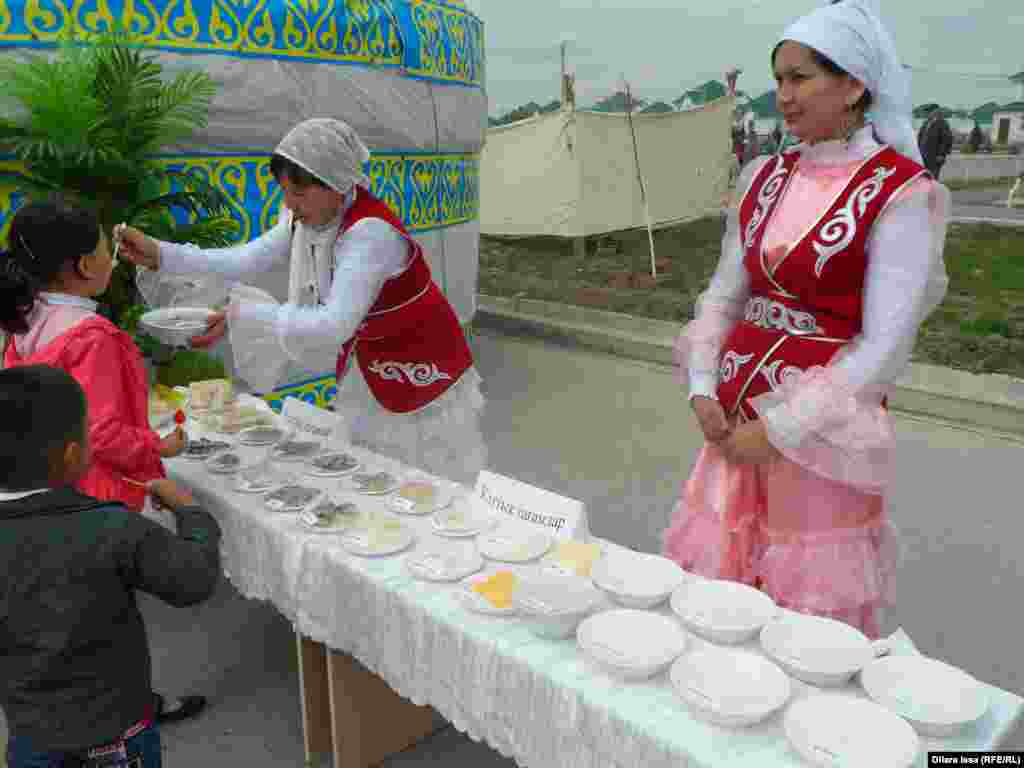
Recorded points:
(831,260)
(976,139)
(75,673)
(56,263)
(935,140)
(753,143)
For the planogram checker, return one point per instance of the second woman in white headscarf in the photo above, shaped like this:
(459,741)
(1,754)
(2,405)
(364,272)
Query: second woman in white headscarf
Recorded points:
(360,296)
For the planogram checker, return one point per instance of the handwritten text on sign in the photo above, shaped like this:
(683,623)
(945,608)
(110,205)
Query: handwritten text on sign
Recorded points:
(565,518)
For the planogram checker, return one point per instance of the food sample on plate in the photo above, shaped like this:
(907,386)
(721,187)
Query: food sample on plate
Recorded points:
(212,393)
(575,557)
(291,497)
(297,449)
(336,461)
(233,418)
(497,589)
(201,447)
(260,435)
(332,514)
(374,482)
(225,462)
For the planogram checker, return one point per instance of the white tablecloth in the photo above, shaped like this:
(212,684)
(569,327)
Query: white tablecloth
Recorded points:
(538,701)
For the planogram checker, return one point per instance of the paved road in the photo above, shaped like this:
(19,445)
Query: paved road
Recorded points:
(617,435)
(986,204)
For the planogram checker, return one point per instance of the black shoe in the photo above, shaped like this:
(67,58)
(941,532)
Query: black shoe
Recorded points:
(185,708)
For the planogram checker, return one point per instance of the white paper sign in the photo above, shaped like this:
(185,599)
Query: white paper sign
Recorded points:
(557,516)
(307,418)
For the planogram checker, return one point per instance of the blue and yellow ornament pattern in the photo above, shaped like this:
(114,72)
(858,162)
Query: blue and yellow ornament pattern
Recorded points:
(438,40)
(426,191)
(320,392)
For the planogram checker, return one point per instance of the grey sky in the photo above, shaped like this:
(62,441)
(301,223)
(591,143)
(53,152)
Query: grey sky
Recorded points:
(664,47)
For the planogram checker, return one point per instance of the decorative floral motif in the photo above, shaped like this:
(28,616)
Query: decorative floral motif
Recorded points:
(417,374)
(319,392)
(731,364)
(433,39)
(776,377)
(840,230)
(776,316)
(450,195)
(766,198)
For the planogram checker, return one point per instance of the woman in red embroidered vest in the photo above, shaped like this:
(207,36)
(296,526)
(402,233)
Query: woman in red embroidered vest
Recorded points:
(831,261)
(361,300)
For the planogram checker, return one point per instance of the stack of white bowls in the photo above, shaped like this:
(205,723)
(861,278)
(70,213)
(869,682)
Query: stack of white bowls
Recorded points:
(554,605)
(816,650)
(632,645)
(732,688)
(935,698)
(637,580)
(724,612)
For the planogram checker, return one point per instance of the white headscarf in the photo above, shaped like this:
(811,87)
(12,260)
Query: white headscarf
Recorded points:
(330,150)
(852,35)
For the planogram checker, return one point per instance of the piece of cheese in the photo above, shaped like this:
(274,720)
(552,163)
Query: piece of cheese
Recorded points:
(576,556)
(497,589)
(212,393)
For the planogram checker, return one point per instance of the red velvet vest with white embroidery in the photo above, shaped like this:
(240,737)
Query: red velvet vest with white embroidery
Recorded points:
(807,306)
(410,346)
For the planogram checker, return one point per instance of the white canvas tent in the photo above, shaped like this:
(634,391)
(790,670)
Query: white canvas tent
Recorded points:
(574,174)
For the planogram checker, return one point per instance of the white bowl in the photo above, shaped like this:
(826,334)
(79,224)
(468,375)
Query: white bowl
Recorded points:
(554,606)
(834,729)
(819,651)
(636,579)
(632,645)
(730,687)
(936,698)
(175,326)
(723,611)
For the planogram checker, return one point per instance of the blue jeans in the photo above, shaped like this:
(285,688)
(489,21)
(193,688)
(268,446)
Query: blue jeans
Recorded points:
(140,751)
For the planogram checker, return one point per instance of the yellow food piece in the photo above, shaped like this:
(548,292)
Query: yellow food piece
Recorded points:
(497,589)
(577,556)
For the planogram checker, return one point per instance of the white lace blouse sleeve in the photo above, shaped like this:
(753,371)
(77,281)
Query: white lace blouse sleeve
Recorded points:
(905,281)
(721,305)
(269,250)
(368,254)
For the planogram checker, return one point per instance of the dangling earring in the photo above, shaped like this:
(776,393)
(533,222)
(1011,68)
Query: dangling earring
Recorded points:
(851,124)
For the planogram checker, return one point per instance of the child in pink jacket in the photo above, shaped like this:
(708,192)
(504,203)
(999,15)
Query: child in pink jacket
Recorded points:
(57,261)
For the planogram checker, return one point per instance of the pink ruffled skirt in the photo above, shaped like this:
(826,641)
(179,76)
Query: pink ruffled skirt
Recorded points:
(813,544)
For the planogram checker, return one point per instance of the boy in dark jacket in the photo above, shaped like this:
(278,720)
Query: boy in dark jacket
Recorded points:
(74,659)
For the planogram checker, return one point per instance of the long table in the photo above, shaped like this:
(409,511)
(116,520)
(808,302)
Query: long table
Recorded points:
(385,659)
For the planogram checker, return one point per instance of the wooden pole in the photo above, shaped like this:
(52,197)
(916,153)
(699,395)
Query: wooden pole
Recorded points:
(640,178)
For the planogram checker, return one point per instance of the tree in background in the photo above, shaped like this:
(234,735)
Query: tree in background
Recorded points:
(88,122)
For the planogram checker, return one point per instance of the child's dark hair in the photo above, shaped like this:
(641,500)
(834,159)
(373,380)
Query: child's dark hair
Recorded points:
(283,168)
(42,409)
(44,237)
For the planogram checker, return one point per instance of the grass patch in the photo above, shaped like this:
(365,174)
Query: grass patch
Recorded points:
(978,327)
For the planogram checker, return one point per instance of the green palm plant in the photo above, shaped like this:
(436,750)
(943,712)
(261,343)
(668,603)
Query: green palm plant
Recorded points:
(88,122)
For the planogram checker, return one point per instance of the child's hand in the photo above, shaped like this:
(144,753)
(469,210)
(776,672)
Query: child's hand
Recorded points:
(173,444)
(170,494)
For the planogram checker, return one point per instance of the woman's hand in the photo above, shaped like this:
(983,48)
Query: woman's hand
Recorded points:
(173,444)
(749,444)
(711,417)
(136,247)
(216,327)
